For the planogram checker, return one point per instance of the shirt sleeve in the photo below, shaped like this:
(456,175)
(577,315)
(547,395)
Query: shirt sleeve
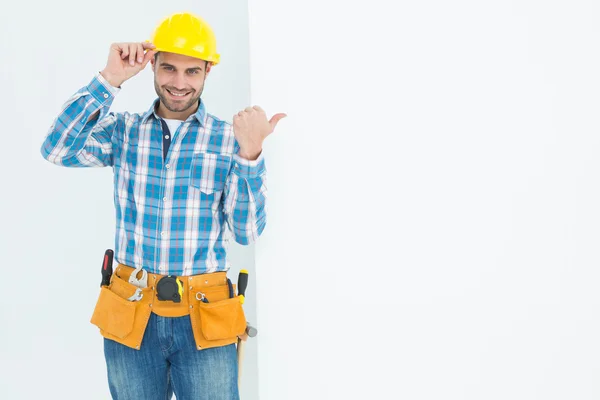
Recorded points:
(81,135)
(245,198)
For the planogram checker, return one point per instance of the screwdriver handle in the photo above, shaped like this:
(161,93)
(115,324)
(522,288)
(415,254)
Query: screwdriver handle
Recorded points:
(242,285)
(107,267)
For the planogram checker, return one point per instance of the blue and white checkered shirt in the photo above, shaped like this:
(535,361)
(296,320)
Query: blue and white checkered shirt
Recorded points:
(174,215)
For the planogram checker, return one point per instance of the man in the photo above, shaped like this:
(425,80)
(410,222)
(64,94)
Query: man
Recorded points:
(184,180)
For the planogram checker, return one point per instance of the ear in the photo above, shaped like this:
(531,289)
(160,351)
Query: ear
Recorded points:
(208,68)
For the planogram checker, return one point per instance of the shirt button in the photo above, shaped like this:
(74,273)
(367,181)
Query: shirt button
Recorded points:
(163,234)
(167,166)
(166,136)
(164,199)
(106,95)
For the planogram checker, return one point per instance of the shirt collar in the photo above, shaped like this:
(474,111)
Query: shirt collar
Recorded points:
(200,114)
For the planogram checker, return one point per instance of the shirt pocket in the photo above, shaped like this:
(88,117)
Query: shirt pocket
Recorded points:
(209,172)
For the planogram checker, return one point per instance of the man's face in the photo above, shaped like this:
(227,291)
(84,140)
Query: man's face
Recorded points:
(179,80)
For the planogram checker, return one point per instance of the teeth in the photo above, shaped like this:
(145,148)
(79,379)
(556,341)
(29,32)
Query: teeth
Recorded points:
(177,94)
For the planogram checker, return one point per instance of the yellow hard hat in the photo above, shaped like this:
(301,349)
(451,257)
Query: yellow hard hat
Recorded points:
(186,34)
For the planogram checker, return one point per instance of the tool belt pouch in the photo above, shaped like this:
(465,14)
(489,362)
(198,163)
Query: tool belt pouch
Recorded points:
(120,319)
(218,322)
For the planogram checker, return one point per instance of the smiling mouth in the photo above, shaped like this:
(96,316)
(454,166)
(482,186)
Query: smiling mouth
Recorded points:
(178,94)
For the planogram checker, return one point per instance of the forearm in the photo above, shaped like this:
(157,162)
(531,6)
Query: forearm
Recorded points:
(245,199)
(72,139)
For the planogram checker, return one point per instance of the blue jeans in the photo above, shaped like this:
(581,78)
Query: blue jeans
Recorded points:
(168,362)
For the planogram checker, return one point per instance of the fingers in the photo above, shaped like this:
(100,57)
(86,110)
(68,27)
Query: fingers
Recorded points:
(128,51)
(254,109)
(257,110)
(147,57)
(132,53)
(124,50)
(136,52)
(140,53)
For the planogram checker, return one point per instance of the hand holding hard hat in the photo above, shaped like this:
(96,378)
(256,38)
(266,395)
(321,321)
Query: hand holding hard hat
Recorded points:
(182,33)
(126,60)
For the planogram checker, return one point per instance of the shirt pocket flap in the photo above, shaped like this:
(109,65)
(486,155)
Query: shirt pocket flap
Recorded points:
(209,172)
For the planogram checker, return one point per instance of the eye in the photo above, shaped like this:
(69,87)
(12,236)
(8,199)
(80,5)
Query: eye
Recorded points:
(168,68)
(193,72)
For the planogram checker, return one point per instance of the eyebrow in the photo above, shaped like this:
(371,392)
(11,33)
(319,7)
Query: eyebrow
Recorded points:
(164,64)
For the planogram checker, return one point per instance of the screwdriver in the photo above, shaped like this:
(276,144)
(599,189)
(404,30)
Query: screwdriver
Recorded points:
(242,285)
(107,267)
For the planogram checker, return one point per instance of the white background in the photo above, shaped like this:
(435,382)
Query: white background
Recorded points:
(434,199)
(57,222)
(433,196)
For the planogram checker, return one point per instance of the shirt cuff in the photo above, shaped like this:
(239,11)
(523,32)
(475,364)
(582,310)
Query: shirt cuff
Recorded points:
(249,168)
(101,90)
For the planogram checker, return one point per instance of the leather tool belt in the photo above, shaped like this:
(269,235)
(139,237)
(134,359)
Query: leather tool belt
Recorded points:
(123,309)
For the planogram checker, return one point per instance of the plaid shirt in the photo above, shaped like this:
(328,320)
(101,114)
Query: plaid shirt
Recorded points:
(174,215)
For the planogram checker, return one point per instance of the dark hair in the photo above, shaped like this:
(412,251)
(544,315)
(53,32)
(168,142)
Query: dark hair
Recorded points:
(156,58)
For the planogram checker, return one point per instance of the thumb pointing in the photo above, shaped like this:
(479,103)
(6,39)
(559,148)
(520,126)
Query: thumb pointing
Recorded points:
(275,119)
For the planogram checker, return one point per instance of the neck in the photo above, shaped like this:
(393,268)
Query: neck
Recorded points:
(163,112)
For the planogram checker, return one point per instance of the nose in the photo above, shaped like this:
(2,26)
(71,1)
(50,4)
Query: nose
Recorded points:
(178,82)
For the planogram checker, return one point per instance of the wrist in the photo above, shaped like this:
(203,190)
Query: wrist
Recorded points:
(111,79)
(251,155)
